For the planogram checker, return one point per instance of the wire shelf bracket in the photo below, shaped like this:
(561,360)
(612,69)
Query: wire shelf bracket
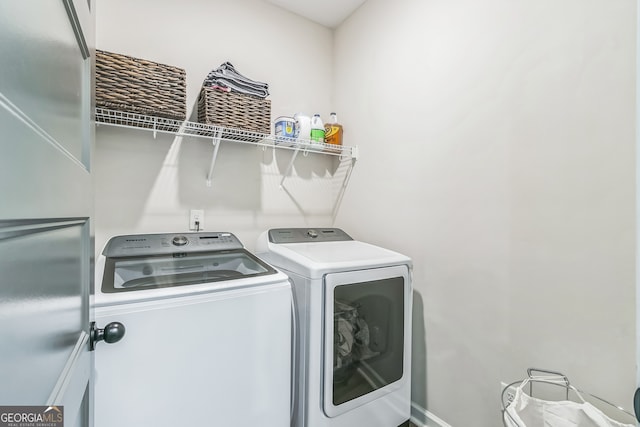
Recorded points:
(286,172)
(216,141)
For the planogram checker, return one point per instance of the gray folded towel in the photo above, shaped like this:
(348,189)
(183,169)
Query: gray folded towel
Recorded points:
(227,76)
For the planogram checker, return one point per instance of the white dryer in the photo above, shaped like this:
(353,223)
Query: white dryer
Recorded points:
(208,334)
(353,311)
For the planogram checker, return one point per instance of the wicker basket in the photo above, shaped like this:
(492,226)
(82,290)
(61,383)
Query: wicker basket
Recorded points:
(234,111)
(138,86)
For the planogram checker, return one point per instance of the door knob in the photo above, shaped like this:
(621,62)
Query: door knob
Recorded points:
(636,403)
(112,333)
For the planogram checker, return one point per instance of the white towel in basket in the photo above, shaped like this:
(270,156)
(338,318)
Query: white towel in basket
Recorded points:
(227,76)
(527,411)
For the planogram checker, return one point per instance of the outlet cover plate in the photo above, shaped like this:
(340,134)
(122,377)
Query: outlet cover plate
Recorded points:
(196,215)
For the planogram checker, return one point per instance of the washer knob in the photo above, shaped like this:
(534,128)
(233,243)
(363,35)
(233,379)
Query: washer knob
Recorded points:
(312,233)
(180,240)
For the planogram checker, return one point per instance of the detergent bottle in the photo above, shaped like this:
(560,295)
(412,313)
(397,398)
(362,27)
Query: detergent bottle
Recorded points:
(333,132)
(317,132)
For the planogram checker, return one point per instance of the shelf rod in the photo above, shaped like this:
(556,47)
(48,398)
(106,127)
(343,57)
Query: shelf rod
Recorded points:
(216,146)
(286,172)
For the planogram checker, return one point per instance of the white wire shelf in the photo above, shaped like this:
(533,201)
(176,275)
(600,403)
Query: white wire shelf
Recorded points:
(200,130)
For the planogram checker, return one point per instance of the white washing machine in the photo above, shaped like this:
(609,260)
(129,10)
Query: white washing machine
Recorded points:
(208,334)
(353,310)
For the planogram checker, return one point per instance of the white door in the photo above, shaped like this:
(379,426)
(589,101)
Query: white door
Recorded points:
(46,205)
(367,336)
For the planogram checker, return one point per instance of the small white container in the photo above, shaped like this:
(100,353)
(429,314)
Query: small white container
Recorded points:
(302,128)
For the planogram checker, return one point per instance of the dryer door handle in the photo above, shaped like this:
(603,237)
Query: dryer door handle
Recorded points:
(112,333)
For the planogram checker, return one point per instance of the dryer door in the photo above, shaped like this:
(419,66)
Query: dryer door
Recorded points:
(367,336)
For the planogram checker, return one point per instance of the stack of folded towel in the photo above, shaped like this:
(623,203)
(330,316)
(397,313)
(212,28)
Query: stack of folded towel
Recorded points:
(225,77)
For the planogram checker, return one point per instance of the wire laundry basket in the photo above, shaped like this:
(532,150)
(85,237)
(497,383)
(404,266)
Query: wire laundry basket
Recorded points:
(520,408)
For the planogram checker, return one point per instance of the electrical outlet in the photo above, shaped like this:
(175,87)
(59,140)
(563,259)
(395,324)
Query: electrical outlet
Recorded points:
(509,393)
(196,220)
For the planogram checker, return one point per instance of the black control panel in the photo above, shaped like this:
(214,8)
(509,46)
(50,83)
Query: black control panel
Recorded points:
(302,235)
(162,244)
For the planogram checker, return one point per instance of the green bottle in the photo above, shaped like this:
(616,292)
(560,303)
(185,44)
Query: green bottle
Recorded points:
(317,132)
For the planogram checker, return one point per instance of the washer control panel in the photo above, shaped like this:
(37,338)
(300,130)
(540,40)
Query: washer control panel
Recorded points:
(162,244)
(302,235)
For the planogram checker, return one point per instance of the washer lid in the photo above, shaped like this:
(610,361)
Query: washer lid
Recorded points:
(148,261)
(122,274)
(316,259)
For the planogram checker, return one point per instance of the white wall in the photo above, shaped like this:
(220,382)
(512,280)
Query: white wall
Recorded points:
(497,150)
(147,185)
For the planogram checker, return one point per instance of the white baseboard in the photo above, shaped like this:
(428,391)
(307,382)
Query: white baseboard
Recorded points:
(423,418)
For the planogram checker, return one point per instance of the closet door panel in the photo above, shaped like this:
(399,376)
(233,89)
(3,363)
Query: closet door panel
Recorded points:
(43,68)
